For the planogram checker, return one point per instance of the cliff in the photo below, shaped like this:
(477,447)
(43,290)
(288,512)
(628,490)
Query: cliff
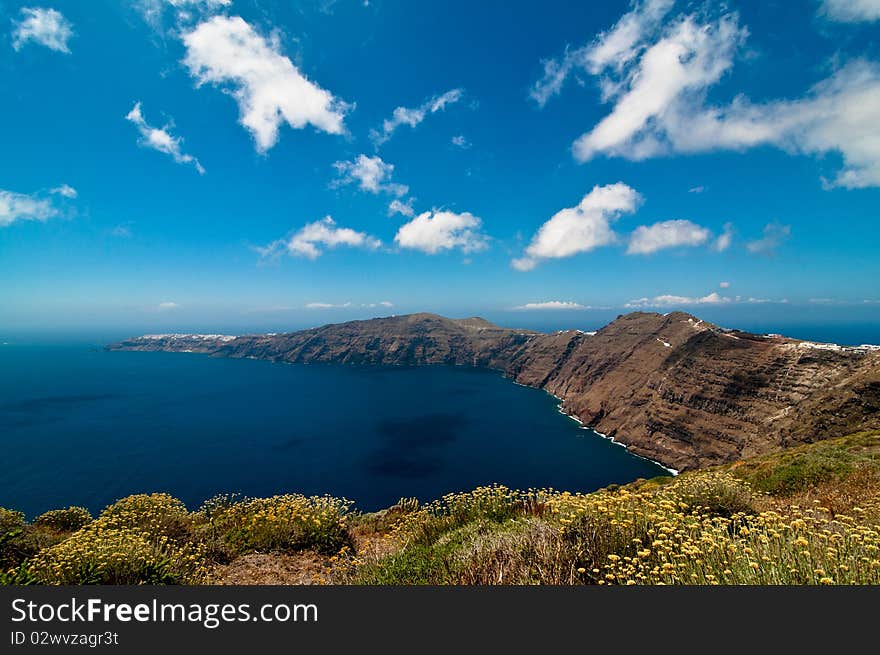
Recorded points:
(671,387)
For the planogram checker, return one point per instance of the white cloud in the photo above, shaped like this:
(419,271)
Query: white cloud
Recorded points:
(647,239)
(23,207)
(167,306)
(270,90)
(370,174)
(660,107)
(414,116)
(48,27)
(434,231)
(581,228)
(724,239)
(774,235)
(311,240)
(460,141)
(724,285)
(697,189)
(851,11)
(65,190)
(687,59)
(668,300)
(613,48)
(403,207)
(161,139)
(550,304)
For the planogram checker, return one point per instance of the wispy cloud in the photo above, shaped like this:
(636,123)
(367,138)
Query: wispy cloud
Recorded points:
(851,11)
(46,27)
(167,306)
(161,139)
(714,298)
(122,231)
(725,239)
(657,75)
(550,304)
(312,239)
(460,141)
(65,190)
(347,304)
(183,11)
(774,235)
(670,300)
(370,174)
(31,207)
(412,116)
(403,207)
(326,305)
(229,53)
(614,48)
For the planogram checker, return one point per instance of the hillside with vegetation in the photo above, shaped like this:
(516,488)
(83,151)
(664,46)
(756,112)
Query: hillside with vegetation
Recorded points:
(806,515)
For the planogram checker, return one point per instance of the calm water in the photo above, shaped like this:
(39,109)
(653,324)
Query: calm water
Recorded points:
(82,426)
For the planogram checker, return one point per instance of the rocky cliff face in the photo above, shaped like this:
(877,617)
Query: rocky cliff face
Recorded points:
(671,387)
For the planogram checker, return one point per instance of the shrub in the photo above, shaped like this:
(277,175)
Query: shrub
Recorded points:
(140,539)
(103,554)
(10,521)
(286,523)
(156,515)
(494,503)
(656,537)
(13,543)
(714,493)
(64,520)
(17,576)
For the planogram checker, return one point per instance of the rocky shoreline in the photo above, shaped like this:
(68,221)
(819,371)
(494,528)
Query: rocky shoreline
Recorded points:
(669,387)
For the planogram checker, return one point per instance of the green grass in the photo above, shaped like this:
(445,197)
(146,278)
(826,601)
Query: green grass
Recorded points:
(803,467)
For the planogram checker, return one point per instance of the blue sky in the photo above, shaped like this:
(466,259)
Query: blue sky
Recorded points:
(194,164)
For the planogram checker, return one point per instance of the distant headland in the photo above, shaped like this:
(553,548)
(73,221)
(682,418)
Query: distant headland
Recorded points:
(671,387)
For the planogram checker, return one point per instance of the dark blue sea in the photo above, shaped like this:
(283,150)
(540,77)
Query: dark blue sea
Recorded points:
(82,426)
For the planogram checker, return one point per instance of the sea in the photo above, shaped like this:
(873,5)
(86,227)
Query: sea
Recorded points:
(80,425)
(83,426)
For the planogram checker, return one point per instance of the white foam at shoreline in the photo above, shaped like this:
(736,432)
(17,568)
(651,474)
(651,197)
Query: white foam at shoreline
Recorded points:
(583,426)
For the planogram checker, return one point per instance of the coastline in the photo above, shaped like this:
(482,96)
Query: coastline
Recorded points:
(673,472)
(574,417)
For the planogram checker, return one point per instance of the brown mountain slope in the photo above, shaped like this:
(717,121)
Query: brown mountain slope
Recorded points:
(671,387)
